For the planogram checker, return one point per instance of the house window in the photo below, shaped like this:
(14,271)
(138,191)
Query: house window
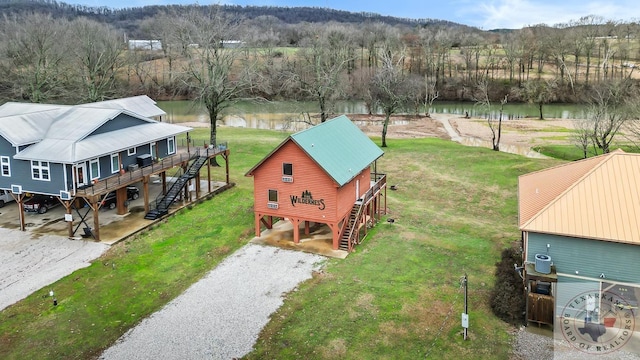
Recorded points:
(131,151)
(273,196)
(6,165)
(115,163)
(171,145)
(40,170)
(94,165)
(287,169)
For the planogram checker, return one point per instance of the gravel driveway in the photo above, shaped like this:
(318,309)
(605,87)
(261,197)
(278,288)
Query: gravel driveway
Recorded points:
(220,316)
(30,262)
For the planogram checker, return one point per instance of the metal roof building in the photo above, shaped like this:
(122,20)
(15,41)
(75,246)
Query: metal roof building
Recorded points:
(323,175)
(596,198)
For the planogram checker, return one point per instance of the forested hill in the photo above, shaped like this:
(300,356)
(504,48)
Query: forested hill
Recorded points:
(289,15)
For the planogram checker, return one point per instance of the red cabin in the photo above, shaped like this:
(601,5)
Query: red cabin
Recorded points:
(325,174)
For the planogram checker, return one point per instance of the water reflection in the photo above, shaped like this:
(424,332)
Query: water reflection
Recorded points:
(291,115)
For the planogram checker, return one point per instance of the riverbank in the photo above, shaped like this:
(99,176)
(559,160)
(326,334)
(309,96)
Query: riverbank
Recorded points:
(520,134)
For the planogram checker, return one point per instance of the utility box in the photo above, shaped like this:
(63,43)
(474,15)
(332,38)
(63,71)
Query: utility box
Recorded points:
(145,160)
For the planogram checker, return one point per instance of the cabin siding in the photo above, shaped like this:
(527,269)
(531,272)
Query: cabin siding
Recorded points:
(590,258)
(307,176)
(567,290)
(21,173)
(347,194)
(6,149)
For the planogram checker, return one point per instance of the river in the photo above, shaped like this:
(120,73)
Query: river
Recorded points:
(290,115)
(280,115)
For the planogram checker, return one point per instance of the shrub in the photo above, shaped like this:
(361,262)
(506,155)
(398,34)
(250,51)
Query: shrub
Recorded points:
(507,297)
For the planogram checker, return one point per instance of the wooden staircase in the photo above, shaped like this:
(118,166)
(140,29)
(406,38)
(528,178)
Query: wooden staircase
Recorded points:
(350,233)
(163,202)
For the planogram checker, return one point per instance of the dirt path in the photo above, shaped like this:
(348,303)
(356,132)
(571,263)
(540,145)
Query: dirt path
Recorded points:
(29,263)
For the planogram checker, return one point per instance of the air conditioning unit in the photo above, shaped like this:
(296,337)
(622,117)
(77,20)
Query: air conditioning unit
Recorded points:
(272,205)
(287,179)
(16,189)
(65,195)
(543,264)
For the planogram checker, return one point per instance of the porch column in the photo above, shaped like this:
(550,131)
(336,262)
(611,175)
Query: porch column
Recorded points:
(226,162)
(67,207)
(296,230)
(258,218)
(145,192)
(306,227)
(197,185)
(96,221)
(208,176)
(335,231)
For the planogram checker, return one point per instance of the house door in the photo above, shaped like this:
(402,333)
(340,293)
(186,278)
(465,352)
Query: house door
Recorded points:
(81,174)
(153,151)
(357,189)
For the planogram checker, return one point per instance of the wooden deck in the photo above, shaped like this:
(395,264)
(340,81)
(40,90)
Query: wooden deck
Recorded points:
(128,177)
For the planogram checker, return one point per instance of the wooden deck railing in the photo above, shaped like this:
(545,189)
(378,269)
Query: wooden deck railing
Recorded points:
(119,180)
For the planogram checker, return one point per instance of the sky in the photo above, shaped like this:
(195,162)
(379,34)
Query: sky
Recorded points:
(483,14)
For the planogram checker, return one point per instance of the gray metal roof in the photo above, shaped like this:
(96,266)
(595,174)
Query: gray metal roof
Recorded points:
(78,122)
(28,128)
(91,147)
(16,108)
(61,133)
(141,105)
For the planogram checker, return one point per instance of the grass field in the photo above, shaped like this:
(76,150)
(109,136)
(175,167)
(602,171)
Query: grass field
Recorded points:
(397,297)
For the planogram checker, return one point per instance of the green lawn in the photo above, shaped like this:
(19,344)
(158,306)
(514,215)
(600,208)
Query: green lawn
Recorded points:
(397,296)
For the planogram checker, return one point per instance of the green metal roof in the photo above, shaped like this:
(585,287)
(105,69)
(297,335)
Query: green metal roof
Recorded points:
(339,147)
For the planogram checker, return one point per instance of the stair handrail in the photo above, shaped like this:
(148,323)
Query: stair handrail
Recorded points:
(368,195)
(161,196)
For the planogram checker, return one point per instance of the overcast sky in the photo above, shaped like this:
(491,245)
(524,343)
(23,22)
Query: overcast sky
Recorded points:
(484,14)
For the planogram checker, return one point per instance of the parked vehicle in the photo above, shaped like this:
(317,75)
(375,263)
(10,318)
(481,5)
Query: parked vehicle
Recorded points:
(110,201)
(41,203)
(5,197)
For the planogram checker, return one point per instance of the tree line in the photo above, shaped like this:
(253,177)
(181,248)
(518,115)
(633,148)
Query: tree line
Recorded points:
(402,67)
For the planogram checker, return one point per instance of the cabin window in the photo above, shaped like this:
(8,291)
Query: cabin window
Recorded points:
(171,145)
(94,166)
(131,151)
(287,169)
(40,170)
(273,196)
(6,165)
(115,163)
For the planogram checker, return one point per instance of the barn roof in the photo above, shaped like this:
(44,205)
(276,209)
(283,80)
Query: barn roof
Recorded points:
(597,198)
(338,146)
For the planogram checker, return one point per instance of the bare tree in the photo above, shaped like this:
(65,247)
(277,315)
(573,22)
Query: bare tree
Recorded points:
(216,75)
(389,91)
(483,101)
(583,135)
(539,92)
(35,56)
(96,56)
(610,107)
(323,62)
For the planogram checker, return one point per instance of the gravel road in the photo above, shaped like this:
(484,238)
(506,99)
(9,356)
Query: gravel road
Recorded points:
(30,262)
(220,316)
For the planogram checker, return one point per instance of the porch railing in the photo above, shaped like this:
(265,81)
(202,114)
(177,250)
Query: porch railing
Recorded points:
(119,180)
